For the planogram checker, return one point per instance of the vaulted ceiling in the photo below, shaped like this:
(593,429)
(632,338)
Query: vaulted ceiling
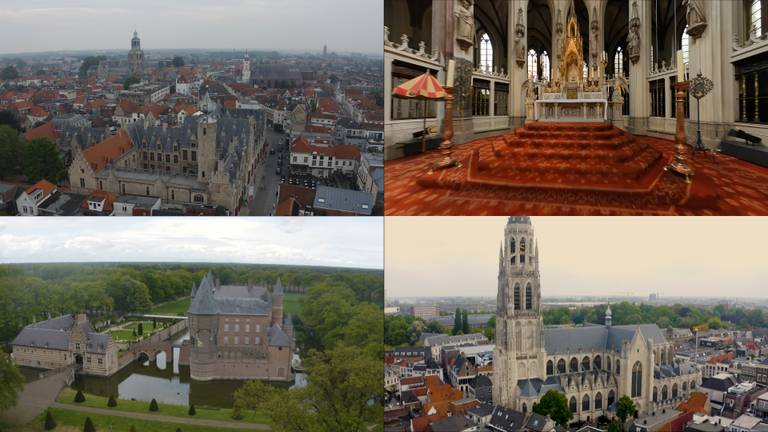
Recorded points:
(615,25)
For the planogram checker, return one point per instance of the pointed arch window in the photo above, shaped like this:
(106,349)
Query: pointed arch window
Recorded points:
(545,66)
(618,62)
(533,59)
(522,251)
(517,296)
(486,53)
(637,379)
(528,297)
(513,251)
(756,16)
(684,46)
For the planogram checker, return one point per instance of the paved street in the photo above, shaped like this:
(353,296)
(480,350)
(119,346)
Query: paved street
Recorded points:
(266,189)
(35,398)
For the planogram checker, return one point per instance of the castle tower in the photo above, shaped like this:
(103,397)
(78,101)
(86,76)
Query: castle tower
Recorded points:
(136,57)
(519,352)
(277,303)
(207,159)
(246,69)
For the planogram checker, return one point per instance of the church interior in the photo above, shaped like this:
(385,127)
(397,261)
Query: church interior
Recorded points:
(576,107)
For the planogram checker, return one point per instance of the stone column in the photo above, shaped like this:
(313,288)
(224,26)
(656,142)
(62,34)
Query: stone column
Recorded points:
(710,54)
(639,98)
(669,99)
(463,128)
(517,74)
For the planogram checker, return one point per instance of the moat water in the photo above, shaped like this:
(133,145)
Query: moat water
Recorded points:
(165,382)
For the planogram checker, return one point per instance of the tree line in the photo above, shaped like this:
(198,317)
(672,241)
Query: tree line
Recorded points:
(36,159)
(34,291)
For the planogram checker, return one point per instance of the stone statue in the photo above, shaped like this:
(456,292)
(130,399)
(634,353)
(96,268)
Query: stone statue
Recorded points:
(465,24)
(530,90)
(697,21)
(520,53)
(620,88)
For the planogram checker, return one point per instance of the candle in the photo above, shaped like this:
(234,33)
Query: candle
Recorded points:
(680,67)
(451,68)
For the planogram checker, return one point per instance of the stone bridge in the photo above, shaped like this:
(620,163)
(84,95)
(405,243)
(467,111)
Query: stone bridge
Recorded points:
(155,344)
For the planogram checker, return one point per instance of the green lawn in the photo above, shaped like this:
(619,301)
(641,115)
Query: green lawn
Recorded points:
(176,307)
(72,421)
(67,396)
(123,336)
(126,333)
(292,303)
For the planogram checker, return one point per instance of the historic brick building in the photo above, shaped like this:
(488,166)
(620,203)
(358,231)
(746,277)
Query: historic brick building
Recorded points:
(66,340)
(237,332)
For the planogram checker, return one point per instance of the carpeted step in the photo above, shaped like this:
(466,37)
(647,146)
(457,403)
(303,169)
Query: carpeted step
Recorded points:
(623,153)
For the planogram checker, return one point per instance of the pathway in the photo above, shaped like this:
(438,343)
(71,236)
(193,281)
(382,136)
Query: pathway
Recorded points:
(36,397)
(163,418)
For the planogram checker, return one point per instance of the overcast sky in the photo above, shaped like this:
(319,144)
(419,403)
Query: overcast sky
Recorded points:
(677,256)
(326,241)
(50,25)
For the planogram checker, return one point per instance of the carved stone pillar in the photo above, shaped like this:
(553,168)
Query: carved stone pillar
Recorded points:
(639,97)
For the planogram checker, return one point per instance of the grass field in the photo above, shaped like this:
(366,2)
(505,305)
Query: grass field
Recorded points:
(126,333)
(176,307)
(72,421)
(67,396)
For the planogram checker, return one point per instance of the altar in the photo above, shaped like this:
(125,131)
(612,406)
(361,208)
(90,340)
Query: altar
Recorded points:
(577,92)
(586,110)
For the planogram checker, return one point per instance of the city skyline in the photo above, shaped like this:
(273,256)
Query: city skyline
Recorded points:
(333,242)
(451,256)
(253,26)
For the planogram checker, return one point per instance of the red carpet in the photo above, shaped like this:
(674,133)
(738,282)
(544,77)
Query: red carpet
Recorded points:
(572,169)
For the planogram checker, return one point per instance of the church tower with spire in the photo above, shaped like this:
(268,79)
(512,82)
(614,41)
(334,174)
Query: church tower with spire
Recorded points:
(519,353)
(136,57)
(246,78)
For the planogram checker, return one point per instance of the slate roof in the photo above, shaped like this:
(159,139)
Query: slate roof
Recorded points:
(451,424)
(536,422)
(559,340)
(506,419)
(277,336)
(344,200)
(230,299)
(54,334)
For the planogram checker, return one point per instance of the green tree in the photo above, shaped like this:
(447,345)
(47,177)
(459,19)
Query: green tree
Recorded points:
(11,382)
(434,327)
(10,151)
(554,405)
(79,397)
(456,322)
(342,383)
(153,405)
(490,329)
(111,402)
(625,408)
(178,61)
(9,73)
(129,294)
(140,329)
(464,322)
(50,423)
(192,410)
(88,426)
(9,118)
(42,161)
(613,427)
(131,81)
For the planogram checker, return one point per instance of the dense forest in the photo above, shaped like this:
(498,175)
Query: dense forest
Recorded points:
(406,330)
(33,291)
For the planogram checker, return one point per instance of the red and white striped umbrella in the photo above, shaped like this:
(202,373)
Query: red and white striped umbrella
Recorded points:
(424,86)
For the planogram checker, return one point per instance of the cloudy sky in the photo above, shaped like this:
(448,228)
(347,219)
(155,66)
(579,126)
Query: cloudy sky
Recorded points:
(678,256)
(49,25)
(326,241)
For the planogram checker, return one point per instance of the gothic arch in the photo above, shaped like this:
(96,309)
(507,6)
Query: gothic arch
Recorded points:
(528,296)
(618,367)
(585,402)
(517,296)
(597,362)
(513,251)
(598,401)
(685,387)
(550,368)
(525,408)
(674,391)
(561,366)
(608,364)
(693,385)
(655,394)
(637,379)
(574,365)
(585,363)
(611,398)
(522,370)
(523,252)
(664,393)
(572,404)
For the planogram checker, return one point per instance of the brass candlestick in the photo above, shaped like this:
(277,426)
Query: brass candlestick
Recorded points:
(680,163)
(446,147)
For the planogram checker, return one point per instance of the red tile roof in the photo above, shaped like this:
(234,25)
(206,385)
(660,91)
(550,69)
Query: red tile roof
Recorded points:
(99,155)
(44,185)
(341,151)
(45,130)
(109,197)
